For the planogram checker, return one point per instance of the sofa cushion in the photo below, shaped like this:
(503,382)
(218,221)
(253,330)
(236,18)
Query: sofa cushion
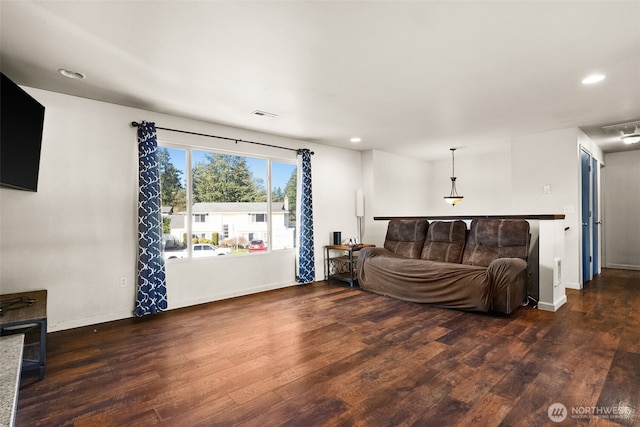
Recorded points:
(490,239)
(405,237)
(445,241)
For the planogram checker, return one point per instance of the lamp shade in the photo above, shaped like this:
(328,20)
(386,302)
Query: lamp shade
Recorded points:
(453,200)
(359,202)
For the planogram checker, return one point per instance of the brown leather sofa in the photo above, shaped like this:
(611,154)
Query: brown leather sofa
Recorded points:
(480,269)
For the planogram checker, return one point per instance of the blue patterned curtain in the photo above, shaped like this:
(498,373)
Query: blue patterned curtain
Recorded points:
(152,290)
(306,258)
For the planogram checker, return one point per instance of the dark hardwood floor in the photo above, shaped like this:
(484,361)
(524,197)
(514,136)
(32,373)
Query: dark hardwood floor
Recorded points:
(324,355)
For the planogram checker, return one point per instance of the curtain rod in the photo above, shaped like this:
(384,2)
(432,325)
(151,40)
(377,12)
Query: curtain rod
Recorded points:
(297,150)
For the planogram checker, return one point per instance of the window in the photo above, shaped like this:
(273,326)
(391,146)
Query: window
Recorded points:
(258,217)
(234,200)
(173,195)
(230,190)
(283,200)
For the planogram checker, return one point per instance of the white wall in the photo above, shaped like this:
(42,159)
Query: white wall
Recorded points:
(393,186)
(76,236)
(400,186)
(621,213)
(551,159)
(484,181)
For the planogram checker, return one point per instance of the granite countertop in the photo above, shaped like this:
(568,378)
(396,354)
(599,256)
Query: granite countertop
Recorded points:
(11,361)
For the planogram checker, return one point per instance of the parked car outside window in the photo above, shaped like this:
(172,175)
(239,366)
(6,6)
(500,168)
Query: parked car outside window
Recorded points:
(205,249)
(257,245)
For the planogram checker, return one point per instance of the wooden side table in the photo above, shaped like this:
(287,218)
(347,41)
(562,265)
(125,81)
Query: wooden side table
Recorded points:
(26,313)
(342,267)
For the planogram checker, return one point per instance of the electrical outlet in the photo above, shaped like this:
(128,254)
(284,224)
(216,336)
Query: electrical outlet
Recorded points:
(123,282)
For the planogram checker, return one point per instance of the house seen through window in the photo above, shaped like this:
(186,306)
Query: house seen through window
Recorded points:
(239,204)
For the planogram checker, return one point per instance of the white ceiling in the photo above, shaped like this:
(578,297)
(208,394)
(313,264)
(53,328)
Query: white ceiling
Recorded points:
(413,78)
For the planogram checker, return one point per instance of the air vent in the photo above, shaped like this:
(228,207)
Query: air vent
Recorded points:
(622,127)
(264,114)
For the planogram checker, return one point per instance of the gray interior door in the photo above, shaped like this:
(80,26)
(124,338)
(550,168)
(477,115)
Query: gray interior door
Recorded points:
(595,219)
(585,167)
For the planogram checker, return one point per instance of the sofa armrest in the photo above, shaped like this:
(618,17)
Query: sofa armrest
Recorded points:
(508,278)
(371,252)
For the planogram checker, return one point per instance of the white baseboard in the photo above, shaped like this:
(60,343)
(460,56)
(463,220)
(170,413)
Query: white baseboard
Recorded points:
(572,286)
(86,321)
(227,295)
(109,317)
(552,307)
(623,266)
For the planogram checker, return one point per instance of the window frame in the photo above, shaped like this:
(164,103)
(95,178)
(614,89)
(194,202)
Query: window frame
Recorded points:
(259,217)
(188,183)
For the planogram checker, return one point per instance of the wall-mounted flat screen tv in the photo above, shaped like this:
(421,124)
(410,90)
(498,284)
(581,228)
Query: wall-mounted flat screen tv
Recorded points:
(21,123)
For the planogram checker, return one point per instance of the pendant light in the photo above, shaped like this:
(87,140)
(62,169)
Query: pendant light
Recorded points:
(453,197)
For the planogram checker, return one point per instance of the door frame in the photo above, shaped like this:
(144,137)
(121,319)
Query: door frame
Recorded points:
(590,233)
(596,222)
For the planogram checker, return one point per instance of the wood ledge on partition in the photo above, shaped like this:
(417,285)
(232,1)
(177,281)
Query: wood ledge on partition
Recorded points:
(538,217)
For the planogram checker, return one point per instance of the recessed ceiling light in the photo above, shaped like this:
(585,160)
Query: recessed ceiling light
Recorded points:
(71,74)
(355,139)
(593,78)
(264,114)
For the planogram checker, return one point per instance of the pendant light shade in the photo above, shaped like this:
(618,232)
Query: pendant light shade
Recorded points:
(453,198)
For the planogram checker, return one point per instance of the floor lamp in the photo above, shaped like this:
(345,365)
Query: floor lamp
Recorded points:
(359,212)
